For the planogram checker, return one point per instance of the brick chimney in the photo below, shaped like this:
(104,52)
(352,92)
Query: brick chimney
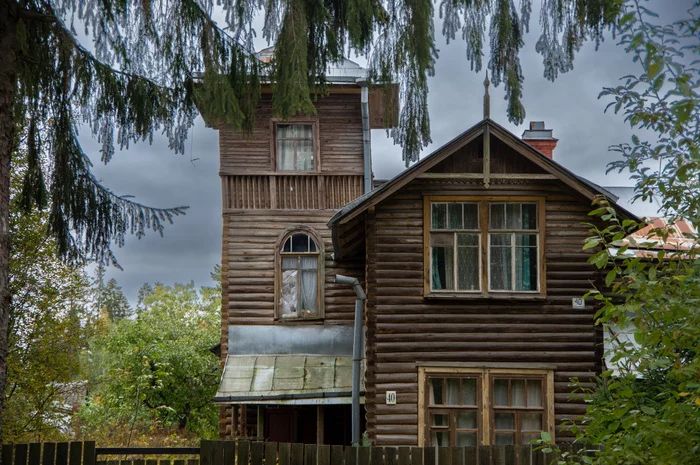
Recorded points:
(540,138)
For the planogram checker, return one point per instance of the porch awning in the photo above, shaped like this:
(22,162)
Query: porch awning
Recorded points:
(286,379)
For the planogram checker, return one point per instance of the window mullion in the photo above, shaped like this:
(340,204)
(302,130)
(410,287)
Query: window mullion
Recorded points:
(513,246)
(455,273)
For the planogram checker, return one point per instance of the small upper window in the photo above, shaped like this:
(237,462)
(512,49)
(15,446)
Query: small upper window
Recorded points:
(299,281)
(295,147)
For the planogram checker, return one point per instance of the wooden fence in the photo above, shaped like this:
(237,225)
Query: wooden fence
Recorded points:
(269,453)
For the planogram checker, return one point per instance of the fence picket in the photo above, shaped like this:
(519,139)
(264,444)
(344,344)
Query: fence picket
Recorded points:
(34,453)
(89,456)
(243,449)
(257,449)
(404,456)
(151,462)
(363,455)
(309,454)
(206,453)
(444,456)
(498,456)
(377,455)
(390,455)
(271,453)
(457,456)
(75,453)
(6,454)
(416,456)
(285,450)
(21,451)
(164,462)
(484,455)
(228,452)
(49,453)
(470,455)
(175,462)
(297,454)
(429,455)
(323,455)
(337,455)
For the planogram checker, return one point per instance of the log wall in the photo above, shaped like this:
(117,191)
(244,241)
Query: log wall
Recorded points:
(340,138)
(403,327)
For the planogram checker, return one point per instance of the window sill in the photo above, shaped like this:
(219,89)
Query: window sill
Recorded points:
(497,297)
(315,319)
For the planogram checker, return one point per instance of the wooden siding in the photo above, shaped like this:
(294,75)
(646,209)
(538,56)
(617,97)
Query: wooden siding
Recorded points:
(340,137)
(403,327)
(248,268)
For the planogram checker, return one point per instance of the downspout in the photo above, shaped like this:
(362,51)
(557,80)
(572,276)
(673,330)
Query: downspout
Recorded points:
(366,138)
(357,343)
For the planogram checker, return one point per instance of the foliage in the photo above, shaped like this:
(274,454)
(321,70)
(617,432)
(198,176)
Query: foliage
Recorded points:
(46,334)
(649,412)
(158,373)
(108,297)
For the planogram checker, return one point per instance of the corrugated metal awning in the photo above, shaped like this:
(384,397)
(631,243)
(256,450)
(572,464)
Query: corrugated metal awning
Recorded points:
(286,379)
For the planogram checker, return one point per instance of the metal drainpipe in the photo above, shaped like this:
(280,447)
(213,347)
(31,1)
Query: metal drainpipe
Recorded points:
(366,138)
(356,352)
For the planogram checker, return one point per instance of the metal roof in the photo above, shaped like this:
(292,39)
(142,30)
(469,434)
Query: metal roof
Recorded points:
(286,379)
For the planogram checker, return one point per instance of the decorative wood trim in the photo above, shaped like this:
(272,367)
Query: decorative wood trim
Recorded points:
(528,176)
(487,156)
(422,379)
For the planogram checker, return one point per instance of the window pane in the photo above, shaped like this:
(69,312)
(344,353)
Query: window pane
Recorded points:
(468,391)
(517,392)
(526,268)
(468,267)
(436,391)
(529,437)
(529,216)
(534,393)
(531,421)
(500,264)
(466,439)
(442,268)
(289,294)
(500,392)
(440,419)
(285,131)
(312,245)
(471,216)
(526,240)
(504,439)
(439,438)
(513,216)
(305,155)
(290,263)
(466,420)
(498,216)
(287,247)
(501,240)
(300,243)
(303,131)
(468,240)
(439,215)
(285,155)
(504,420)
(454,216)
(452,391)
(309,285)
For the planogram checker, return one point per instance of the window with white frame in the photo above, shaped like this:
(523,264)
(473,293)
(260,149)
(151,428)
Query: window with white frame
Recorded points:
(483,246)
(299,283)
(295,147)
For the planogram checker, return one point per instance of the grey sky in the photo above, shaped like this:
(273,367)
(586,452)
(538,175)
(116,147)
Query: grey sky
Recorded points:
(192,245)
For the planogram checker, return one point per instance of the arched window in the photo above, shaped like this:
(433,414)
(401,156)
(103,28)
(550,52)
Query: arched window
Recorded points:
(299,289)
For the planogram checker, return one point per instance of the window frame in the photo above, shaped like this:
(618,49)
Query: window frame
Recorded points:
(484,210)
(485,406)
(320,270)
(274,122)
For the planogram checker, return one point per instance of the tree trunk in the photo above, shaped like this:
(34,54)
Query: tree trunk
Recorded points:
(8,83)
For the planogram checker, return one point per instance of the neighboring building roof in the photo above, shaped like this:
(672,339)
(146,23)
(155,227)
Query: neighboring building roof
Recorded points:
(286,379)
(345,72)
(681,237)
(582,185)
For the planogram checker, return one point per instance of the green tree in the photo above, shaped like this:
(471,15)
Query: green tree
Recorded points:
(650,411)
(46,331)
(108,297)
(148,64)
(157,369)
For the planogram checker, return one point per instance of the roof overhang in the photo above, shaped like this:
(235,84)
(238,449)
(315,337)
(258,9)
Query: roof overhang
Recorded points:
(584,187)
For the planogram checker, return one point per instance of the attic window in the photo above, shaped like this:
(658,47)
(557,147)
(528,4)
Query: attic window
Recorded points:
(295,147)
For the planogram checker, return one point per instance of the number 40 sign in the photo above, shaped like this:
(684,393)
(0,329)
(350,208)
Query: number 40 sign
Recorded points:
(390,397)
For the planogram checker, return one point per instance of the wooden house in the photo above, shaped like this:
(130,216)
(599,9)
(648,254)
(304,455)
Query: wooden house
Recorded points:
(472,265)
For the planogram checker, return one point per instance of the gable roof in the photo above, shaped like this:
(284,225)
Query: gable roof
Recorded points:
(585,187)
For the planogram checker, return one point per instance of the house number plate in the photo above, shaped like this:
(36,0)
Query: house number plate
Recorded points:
(578,303)
(390,397)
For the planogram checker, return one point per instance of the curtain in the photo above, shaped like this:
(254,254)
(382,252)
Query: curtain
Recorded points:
(285,154)
(309,284)
(289,291)
(452,391)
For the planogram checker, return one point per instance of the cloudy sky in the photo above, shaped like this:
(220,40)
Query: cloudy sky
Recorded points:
(192,245)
